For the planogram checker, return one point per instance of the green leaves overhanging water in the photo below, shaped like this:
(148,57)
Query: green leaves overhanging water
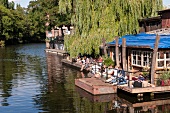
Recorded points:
(97,19)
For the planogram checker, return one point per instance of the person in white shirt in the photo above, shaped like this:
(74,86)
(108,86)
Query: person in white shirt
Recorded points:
(95,68)
(113,75)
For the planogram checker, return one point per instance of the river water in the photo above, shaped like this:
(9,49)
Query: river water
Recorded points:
(32,81)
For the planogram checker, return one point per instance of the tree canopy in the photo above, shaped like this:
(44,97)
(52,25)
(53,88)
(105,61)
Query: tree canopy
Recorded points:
(97,19)
(92,20)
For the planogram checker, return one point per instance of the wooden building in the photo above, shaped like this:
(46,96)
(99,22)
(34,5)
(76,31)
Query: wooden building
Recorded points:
(139,51)
(165,17)
(149,24)
(154,23)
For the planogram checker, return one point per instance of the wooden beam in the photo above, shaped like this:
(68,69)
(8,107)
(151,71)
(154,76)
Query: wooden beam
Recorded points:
(154,59)
(117,51)
(124,62)
(104,46)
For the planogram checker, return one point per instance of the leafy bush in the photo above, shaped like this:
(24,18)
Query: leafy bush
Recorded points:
(108,62)
(165,75)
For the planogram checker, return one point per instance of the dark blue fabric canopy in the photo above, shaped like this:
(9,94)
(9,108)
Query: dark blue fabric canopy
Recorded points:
(144,39)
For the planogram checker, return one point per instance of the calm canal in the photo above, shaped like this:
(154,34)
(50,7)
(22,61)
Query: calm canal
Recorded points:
(32,81)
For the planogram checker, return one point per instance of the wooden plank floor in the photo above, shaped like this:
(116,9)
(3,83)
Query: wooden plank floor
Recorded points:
(95,86)
(160,89)
(96,98)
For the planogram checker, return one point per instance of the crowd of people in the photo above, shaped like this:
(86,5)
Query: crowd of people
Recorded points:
(115,75)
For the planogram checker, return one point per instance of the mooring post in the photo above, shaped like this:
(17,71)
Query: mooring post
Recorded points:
(154,59)
(117,51)
(124,54)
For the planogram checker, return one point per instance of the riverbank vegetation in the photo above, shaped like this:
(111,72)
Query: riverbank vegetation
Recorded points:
(92,21)
(97,19)
(22,25)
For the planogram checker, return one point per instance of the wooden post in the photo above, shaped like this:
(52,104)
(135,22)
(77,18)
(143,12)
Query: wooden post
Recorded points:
(130,80)
(154,59)
(117,51)
(124,54)
(104,46)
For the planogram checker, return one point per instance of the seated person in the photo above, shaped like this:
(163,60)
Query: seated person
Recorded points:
(100,61)
(138,81)
(85,63)
(79,60)
(140,77)
(95,68)
(112,74)
(120,80)
(108,71)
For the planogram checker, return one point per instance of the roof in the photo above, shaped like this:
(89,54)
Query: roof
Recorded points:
(144,40)
(163,11)
(162,31)
(150,19)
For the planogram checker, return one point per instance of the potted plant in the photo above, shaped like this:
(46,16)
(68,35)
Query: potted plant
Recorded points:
(165,78)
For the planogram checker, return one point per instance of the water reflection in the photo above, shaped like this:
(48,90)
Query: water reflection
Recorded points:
(21,71)
(32,81)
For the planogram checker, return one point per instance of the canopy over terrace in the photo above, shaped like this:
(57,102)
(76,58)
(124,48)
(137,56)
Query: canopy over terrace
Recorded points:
(143,40)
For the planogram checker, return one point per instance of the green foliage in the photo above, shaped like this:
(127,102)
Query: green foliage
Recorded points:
(108,62)
(97,19)
(2,43)
(165,75)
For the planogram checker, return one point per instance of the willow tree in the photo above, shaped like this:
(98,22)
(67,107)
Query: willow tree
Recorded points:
(97,19)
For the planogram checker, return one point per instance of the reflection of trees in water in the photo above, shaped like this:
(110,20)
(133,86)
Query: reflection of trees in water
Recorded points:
(54,67)
(16,68)
(62,97)
(59,95)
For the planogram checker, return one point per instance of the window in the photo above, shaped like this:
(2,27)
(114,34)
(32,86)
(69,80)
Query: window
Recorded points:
(141,58)
(163,59)
(138,58)
(134,58)
(147,58)
(167,55)
(160,55)
(168,59)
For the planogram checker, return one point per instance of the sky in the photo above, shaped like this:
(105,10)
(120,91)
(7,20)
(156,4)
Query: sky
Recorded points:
(166,3)
(24,3)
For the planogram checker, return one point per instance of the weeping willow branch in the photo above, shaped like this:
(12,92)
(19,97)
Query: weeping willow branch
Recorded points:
(97,19)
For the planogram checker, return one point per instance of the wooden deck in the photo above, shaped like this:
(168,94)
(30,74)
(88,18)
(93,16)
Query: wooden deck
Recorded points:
(95,86)
(96,98)
(160,89)
(92,84)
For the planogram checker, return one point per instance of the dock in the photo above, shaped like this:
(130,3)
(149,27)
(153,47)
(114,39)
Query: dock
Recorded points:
(56,51)
(158,89)
(70,63)
(96,98)
(137,107)
(95,86)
